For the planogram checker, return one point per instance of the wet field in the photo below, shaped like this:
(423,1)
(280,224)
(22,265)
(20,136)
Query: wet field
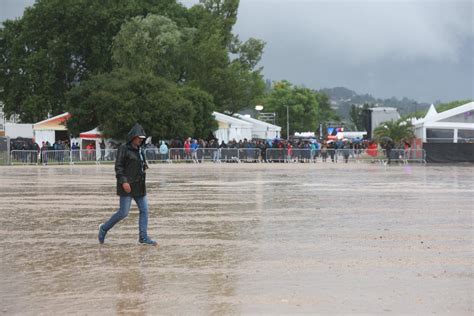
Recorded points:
(240,239)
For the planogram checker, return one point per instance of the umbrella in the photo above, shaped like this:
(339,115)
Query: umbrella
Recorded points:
(386,139)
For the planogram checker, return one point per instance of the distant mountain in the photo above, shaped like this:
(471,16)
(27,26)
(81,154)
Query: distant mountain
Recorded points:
(342,99)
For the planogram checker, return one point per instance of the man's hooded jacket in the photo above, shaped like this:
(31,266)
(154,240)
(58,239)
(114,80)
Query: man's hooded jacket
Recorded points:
(130,165)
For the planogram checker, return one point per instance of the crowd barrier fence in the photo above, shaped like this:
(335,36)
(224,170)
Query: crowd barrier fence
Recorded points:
(219,155)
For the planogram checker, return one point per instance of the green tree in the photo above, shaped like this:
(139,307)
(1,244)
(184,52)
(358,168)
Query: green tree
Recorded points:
(203,121)
(357,116)
(439,108)
(224,16)
(396,130)
(306,108)
(235,83)
(154,44)
(117,100)
(59,43)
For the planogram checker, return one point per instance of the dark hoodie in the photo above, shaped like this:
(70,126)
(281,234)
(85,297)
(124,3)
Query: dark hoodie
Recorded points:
(130,165)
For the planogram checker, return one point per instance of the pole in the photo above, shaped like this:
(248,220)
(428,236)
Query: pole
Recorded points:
(287,123)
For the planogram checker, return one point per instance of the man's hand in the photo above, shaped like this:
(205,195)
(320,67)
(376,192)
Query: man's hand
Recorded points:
(126,187)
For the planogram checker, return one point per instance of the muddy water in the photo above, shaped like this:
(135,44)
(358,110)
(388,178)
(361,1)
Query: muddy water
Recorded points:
(240,239)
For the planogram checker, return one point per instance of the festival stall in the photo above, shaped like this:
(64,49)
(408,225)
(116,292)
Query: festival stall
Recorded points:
(90,145)
(261,129)
(447,136)
(52,129)
(231,128)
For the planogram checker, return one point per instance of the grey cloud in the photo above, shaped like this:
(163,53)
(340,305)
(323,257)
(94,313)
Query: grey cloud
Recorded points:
(419,49)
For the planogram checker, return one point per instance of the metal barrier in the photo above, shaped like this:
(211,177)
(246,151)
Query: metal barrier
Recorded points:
(24,157)
(180,155)
(208,154)
(273,155)
(250,155)
(48,157)
(291,155)
(204,154)
(344,155)
(154,155)
(4,158)
(229,155)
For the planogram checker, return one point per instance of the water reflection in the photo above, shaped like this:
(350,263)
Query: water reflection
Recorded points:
(238,239)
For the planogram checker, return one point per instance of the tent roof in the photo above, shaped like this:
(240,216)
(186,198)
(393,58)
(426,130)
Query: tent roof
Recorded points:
(258,122)
(431,112)
(235,122)
(93,133)
(56,123)
(433,118)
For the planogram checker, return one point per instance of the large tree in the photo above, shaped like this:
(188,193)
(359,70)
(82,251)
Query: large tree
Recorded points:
(220,63)
(116,100)
(75,46)
(59,43)
(306,108)
(153,44)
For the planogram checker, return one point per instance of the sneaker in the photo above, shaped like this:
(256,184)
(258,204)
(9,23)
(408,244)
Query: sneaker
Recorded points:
(102,234)
(147,241)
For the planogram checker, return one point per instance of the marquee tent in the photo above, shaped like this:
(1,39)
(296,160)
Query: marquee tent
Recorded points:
(452,126)
(95,137)
(231,128)
(51,129)
(447,136)
(261,129)
(93,134)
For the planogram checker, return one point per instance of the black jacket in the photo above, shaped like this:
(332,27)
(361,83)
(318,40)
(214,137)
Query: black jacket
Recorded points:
(130,165)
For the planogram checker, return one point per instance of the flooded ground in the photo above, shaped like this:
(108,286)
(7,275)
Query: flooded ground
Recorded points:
(240,239)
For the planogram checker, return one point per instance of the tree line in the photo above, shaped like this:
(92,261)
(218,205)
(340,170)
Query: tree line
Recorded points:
(112,63)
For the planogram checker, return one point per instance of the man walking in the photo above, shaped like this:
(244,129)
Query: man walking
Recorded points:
(130,169)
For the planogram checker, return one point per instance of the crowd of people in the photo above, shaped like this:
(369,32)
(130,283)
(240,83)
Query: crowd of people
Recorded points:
(198,150)
(275,150)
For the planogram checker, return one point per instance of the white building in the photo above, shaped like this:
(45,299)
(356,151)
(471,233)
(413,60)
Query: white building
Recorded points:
(261,129)
(51,129)
(231,128)
(15,130)
(452,126)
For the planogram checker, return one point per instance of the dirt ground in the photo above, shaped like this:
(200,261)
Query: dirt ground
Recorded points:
(240,239)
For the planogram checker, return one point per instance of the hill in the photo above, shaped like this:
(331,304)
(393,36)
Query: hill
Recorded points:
(342,99)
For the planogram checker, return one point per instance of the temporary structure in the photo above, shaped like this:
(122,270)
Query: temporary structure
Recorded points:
(51,129)
(261,129)
(447,136)
(381,115)
(231,128)
(93,137)
(452,126)
(93,134)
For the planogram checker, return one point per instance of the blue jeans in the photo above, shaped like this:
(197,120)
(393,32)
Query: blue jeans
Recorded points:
(122,212)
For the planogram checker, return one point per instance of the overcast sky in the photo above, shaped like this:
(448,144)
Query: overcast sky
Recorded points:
(422,49)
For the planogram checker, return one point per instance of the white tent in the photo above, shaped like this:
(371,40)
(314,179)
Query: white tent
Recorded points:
(261,129)
(452,126)
(231,128)
(95,136)
(51,129)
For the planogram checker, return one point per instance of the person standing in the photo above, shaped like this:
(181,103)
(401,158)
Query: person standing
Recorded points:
(102,150)
(130,167)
